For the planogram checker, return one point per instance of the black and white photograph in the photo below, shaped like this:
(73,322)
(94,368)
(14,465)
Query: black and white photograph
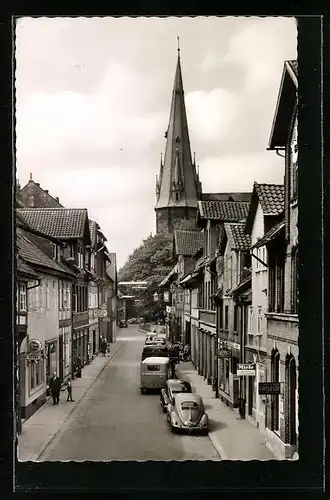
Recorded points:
(156,214)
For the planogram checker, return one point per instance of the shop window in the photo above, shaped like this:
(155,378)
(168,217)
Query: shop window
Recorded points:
(36,373)
(22,297)
(275,374)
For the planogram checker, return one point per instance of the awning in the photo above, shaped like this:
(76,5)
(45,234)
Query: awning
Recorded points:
(170,275)
(241,286)
(270,235)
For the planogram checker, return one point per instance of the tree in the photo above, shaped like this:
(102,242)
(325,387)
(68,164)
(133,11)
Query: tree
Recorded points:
(150,262)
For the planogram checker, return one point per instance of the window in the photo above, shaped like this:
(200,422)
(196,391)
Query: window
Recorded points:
(22,297)
(235,319)
(80,258)
(55,251)
(226,317)
(294,286)
(229,277)
(92,261)
(276,282)
(259,320)
(153,368)
(293,165)
(250,320)
(220,315)
(36,373)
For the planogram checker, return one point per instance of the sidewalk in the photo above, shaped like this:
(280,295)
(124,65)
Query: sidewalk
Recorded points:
(43,425)
(233,438)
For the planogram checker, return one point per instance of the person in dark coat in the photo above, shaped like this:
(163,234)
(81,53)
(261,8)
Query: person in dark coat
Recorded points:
(69,389)
(55,388)
(104,347)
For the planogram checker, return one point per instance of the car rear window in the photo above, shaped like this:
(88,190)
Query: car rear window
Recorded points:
(153,368)
(189,405)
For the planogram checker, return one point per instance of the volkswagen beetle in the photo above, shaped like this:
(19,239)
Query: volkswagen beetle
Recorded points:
(187,413)
(172,387)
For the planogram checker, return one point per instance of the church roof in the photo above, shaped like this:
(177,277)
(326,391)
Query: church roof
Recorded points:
(178,181)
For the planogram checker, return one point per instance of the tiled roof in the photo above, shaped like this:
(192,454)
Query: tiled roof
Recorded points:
(24,268)
(188,242)
(271,198)
(62,223)
(226,197)
(231,211)
(238,239)
(31,254)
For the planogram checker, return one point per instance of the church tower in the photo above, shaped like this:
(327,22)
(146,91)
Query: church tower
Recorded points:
(178,188)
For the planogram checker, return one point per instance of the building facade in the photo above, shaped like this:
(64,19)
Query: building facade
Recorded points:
(282,431)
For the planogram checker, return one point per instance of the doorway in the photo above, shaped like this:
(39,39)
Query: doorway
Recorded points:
(60,357)
(250,397)
(291,384)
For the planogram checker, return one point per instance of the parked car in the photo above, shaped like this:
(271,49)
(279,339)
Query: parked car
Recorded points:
(122,323)
(154,372)
(187,414)
(172,387)
(150,338)
(154,350)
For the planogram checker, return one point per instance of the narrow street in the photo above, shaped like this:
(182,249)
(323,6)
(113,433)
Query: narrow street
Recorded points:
(115,422)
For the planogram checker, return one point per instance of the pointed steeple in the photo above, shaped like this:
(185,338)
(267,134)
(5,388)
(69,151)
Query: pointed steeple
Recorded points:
(178,173)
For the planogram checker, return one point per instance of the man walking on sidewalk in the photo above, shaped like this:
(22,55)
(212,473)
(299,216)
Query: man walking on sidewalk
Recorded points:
(69,389)
(55,388)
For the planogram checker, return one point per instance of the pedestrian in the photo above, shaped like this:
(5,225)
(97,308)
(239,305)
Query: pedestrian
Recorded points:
(108,348)
(55,388)
(69,389)
(104,347)
(79,366)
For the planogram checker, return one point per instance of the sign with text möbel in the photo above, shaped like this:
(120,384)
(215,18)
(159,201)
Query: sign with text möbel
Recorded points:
(246,369)
(266,388)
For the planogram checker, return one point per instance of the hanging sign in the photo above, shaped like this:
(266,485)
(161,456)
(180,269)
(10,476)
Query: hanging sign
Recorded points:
(34,345)
(266,388)
(246,369)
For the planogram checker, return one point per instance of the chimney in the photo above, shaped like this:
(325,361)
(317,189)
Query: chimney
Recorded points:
(46,191)
(31,180)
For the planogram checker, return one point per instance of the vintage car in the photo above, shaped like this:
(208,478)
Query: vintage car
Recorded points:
(173,386)
(154,372)
(150,338)
(123,323)
(187,414)
(159,339)
(154,350)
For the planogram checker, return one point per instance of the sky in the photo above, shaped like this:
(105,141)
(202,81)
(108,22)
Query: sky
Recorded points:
(93,100)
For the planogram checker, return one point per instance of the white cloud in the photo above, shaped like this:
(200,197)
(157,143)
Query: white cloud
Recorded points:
(231,173)
(211,115)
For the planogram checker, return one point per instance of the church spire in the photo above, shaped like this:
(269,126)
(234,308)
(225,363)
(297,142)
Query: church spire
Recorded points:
(178,172)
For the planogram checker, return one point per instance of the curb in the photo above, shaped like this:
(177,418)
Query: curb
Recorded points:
(45,445)
(217,446)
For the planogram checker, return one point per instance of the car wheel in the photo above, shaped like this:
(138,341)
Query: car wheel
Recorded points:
(143,390)
(164,408)
(173,429)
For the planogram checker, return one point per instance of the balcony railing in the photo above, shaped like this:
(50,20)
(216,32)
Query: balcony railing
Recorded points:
(206,316)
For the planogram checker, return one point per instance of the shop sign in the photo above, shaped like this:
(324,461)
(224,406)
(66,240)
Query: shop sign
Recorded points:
(234,345)
(170,309)
(102,311)
(106,319)
(33,356)
(246,369)
(34,345)
(224,353)
(266,388)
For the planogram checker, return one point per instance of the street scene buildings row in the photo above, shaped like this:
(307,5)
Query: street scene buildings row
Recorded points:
(232,294)
(66,293)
